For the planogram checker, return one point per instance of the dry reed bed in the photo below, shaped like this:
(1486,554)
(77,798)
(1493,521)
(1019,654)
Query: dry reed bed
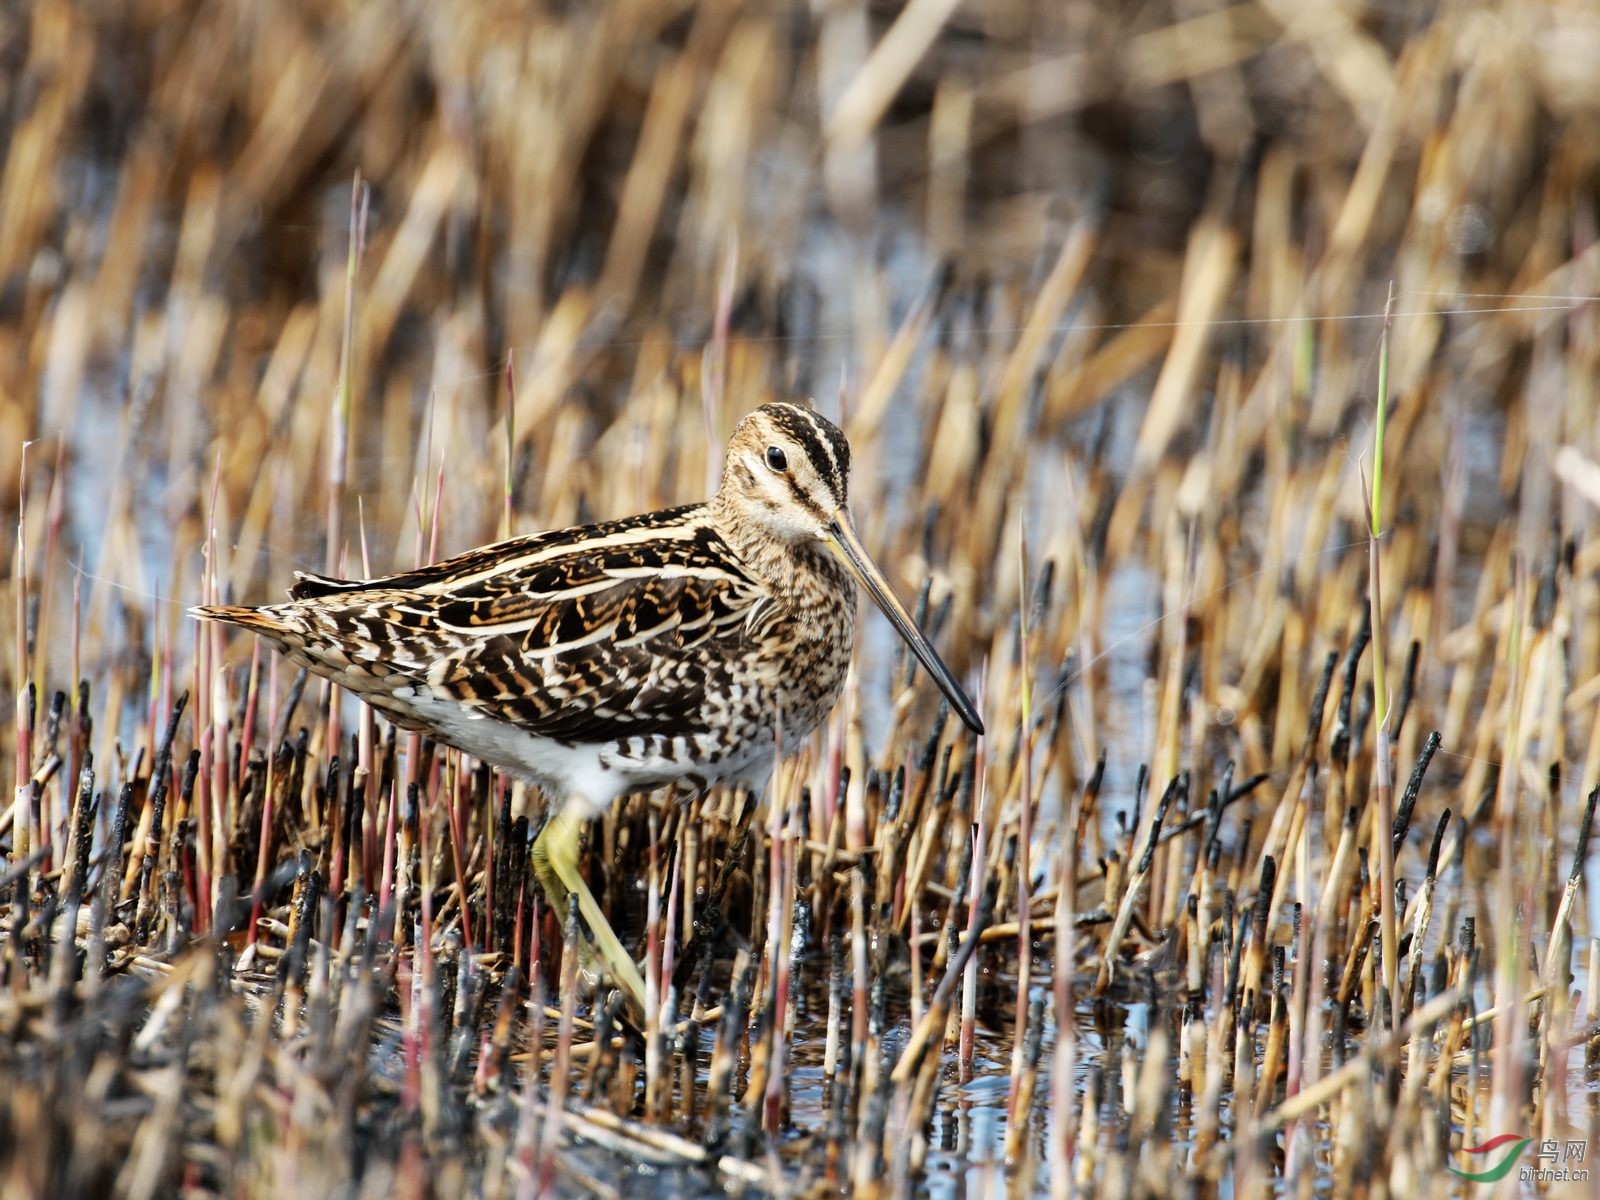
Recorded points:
(1108,357)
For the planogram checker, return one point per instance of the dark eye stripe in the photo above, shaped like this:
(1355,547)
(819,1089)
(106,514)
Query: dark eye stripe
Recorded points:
(803,500)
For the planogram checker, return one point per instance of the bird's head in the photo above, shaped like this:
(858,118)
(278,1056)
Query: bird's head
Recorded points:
(787,474)
(787,471)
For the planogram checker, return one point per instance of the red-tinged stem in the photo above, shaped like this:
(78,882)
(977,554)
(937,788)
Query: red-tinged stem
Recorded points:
(490,824)
(535,947)
(55,509)
(336,821)
(778,1074)
(386,886)
(216,850)
(453,815)
(264,842)
(77,674)
(219,770)
(652,978)
(369,800)
(858,966)
(516,933)
(480,1077)
(23,715)
(669,948)
(247,734)
(263,848)
(202,786)
(774,877)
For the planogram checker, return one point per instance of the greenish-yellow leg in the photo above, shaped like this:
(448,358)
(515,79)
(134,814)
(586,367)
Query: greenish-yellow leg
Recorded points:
(555,861)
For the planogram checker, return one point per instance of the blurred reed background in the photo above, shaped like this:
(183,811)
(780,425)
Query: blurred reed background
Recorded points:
(1098,292)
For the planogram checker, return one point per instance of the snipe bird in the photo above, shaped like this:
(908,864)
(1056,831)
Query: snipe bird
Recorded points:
(618,657)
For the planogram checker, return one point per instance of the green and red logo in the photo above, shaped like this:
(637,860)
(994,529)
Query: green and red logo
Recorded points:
(1507,1146)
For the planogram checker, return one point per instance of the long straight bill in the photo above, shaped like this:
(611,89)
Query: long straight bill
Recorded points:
(843,542)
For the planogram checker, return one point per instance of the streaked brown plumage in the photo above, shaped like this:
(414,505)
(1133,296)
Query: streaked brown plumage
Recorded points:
(610,658)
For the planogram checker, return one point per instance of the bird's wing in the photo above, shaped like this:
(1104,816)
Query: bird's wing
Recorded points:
(598,642)
(633,658)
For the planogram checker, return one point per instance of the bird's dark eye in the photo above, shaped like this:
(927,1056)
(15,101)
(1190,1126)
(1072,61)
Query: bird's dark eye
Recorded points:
(776,459)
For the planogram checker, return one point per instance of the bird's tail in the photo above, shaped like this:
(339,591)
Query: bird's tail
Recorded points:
(259,620)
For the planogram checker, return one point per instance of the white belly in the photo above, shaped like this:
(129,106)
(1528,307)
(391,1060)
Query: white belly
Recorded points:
(590,775)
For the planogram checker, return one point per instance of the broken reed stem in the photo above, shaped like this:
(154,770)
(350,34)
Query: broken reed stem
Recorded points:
(969,977)
(1383,788)
(1508,953)
(20,672)
(1019,1034)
